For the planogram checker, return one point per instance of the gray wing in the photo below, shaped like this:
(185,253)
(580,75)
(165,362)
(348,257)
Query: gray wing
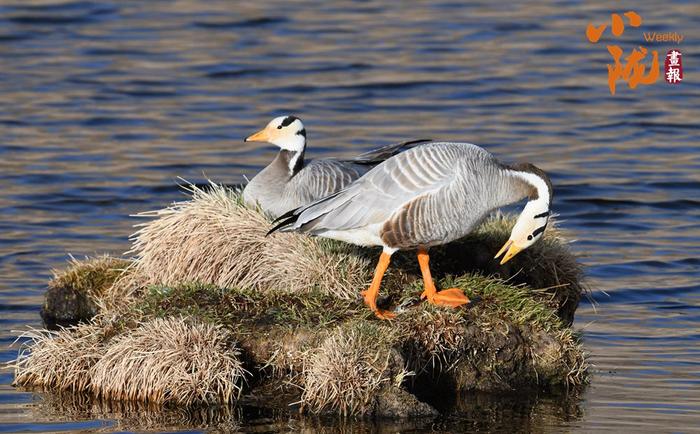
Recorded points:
(385,189)
(320,178)
(478,185)
(430,194)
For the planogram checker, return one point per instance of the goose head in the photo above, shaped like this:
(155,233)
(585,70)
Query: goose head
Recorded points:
(287,132)
(527,231)
(532,221)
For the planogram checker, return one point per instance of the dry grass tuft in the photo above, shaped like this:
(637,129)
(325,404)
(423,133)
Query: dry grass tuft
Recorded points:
(213,238)
(550,354)
(433,337)
(59,359)
(345,372)
(91,276)
(170,360)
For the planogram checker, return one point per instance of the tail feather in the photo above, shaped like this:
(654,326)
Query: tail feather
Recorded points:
(290,221)
(287,220)
(376,156)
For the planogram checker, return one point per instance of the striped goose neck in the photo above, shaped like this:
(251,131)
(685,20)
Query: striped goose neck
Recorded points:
(538,185)
(532,221)
(294,160)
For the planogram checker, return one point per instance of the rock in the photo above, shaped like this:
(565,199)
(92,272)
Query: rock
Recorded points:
(72,294)
(394,402)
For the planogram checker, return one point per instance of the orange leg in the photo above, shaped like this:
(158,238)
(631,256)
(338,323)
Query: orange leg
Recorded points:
(371,293)
(452,297)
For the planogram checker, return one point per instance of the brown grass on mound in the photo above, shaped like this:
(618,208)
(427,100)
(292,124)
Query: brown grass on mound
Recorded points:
(563,348)
(213,238)
(347,370)
(170,360)
(510,338)
(91,276)
(433,338)
(292,304)
(59,359)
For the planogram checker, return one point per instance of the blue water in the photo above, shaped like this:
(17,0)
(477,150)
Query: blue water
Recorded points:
(106,104)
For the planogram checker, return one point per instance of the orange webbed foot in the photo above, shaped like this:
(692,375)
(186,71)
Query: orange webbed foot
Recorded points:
(453,297)
(372,304)
(384,314)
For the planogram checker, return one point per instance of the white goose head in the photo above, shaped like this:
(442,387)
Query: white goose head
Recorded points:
(533,220)
(287,132)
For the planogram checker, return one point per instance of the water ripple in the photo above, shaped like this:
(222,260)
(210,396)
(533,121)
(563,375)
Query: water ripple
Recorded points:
(108,103)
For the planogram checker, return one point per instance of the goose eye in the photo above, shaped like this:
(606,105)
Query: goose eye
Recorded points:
(279,127)
(529,237)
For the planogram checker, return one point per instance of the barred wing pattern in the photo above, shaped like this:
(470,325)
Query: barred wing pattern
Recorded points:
(428,195)
(320,178)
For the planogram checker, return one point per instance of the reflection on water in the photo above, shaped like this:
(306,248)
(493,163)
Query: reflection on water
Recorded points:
(107,103)
(82,411)
(471,412)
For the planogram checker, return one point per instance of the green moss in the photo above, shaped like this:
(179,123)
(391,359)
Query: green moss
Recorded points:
(491,296)
(519,304)
(91,276)
(246,307)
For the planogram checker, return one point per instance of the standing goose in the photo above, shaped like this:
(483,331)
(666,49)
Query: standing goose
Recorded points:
(427,196)
(288,183)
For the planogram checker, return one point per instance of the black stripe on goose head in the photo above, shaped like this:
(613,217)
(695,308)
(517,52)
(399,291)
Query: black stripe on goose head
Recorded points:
(286,121)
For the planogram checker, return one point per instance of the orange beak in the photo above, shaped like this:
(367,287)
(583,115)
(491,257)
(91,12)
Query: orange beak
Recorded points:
(510,250)
(260,136)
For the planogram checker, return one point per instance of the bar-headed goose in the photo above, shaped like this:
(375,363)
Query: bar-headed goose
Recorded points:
(290,182)
(427,196)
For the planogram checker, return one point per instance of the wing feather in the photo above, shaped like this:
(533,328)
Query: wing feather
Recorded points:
(383,191)
(319,178)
